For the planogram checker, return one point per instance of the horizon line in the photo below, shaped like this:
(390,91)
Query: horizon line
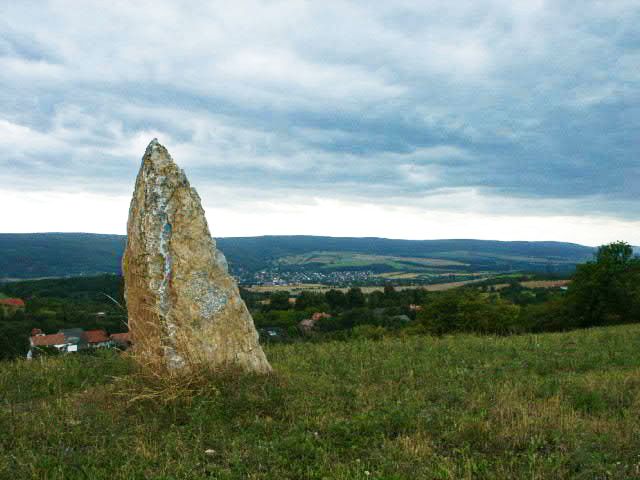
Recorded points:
(328,236)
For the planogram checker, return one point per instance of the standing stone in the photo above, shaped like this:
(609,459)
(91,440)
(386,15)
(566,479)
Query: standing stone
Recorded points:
(185,310)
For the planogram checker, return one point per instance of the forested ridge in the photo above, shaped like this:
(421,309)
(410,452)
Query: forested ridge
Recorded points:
(71,254)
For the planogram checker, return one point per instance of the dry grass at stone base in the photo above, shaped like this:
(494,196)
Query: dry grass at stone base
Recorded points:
(547,406)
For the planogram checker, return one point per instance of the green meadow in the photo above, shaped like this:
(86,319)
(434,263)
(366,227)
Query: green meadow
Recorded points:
(563,405)
(340,260)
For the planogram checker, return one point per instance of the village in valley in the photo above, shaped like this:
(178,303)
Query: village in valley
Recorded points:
(83,319)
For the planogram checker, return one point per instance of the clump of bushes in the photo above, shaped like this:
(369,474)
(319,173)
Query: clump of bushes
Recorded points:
(605,291)
(469,310)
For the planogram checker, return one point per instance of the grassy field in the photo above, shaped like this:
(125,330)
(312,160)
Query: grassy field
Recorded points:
(537,407)
(398,275)
(545,283)
(316,287)
(342,259)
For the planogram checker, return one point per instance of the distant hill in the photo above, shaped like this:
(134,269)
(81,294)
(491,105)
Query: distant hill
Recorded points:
(73,254)
(34,255)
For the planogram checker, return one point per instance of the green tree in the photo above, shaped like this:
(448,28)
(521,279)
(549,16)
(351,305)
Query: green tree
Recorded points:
(551,315)
(308,299)
(375,299)
(606,290)
(279,301)
(468,310)
(355,298)
(336,299)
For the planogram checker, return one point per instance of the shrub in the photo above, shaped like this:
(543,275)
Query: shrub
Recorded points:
(469,311)
(370,332)
(550,316)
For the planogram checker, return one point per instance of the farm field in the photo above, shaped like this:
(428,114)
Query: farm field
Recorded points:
(545,283)
(552,406)
(349,259)
(297,288)
(438,287)
(462,255)
(399,276)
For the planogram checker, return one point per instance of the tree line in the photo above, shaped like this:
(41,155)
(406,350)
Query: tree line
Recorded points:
(603,291)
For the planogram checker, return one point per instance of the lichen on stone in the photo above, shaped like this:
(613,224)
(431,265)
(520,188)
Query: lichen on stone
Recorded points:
(209,298)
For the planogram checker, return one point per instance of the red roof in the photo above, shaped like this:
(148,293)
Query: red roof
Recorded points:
(120,337)
(96,336)
(12,302)
(48,340)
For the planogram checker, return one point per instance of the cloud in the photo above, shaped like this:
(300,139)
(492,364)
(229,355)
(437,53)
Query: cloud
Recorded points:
(510,108)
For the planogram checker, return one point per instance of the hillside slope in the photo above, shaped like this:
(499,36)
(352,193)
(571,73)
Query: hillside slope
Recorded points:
(551,406)
(69,254)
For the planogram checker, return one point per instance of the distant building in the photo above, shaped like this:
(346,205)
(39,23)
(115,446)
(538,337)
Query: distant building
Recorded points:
(75,339)
(11,305)
(308,324)
(270,334)
(415,308)
(38,340)
(12,302)
(97,338)
(121,340)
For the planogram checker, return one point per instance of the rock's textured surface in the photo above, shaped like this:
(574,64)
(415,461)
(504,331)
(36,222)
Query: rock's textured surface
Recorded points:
(184,307)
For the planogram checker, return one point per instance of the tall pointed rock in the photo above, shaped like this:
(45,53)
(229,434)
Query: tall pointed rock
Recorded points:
(184,307)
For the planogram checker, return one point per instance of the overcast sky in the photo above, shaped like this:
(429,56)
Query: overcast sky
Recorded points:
(495,119)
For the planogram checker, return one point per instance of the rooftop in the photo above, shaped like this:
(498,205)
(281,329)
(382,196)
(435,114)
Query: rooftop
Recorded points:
(120,337)
(96,336)
(48,340)
(12,302)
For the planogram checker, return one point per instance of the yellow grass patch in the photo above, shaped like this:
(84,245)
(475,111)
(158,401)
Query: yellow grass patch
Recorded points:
(545,283)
